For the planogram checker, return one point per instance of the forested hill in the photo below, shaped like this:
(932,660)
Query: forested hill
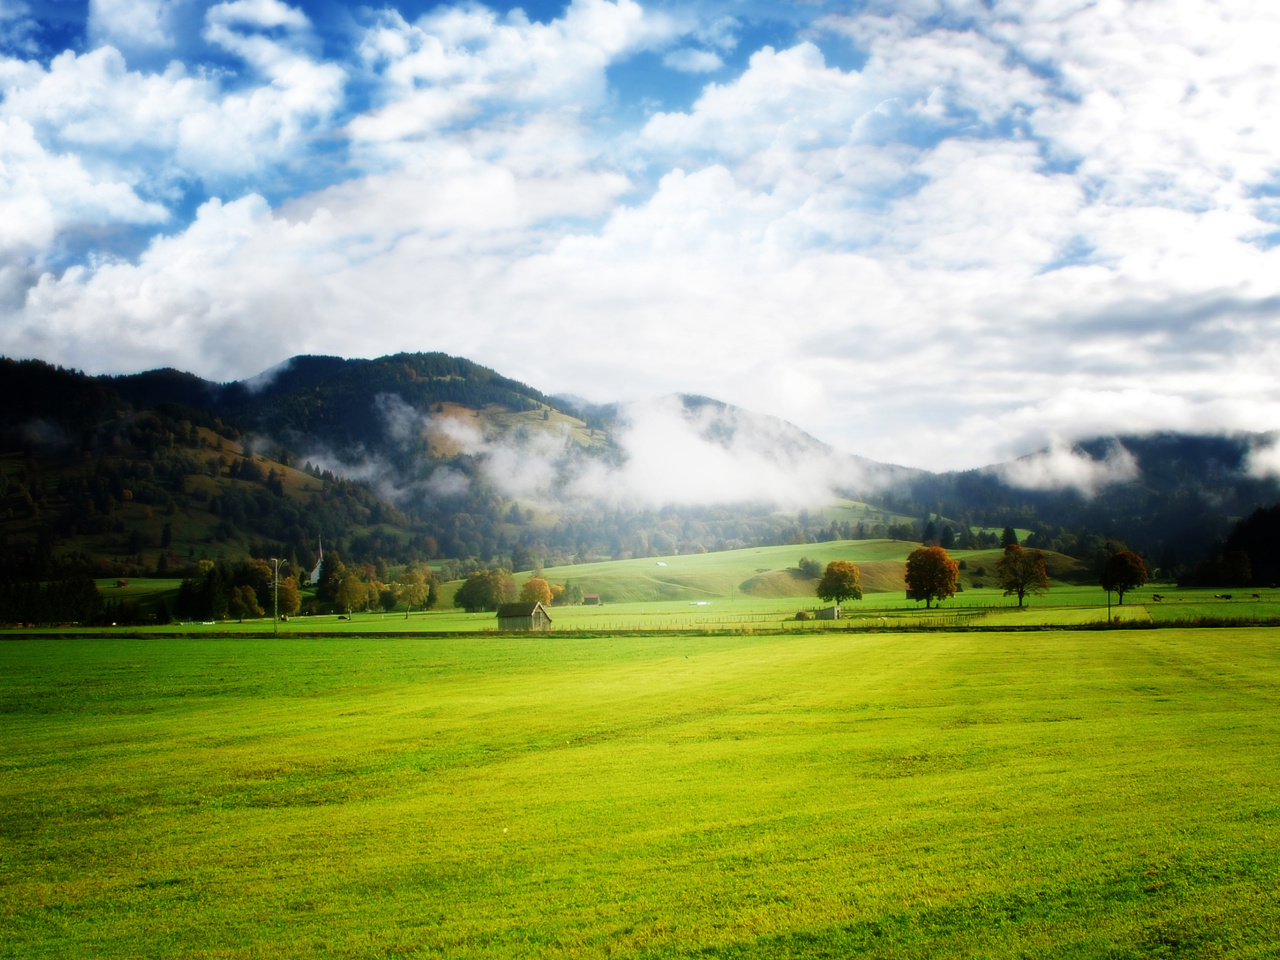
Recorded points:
(418,457)
(1178,500)
(332,398)
(155,471)
(92,484)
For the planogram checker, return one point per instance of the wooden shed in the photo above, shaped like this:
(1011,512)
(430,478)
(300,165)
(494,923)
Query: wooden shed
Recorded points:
(828,613)
(523,616)
(591,599)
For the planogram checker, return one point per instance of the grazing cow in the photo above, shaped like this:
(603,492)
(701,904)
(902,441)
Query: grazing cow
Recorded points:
(1156,597)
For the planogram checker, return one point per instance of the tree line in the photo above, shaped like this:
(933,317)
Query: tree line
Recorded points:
(933,576)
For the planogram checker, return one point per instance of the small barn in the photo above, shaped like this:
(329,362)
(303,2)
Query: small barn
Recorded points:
(523,616)
(591,599)
(828,613)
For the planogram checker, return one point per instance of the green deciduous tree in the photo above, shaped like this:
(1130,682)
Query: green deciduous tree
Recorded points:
(841,581)
(485,590)
(475,593)
(931,574)
(243,602)
(1021,572)
(1123,571)
(351,594)
(570,595)
(416,588)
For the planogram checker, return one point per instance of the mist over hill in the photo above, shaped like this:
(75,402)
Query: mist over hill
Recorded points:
(460,462)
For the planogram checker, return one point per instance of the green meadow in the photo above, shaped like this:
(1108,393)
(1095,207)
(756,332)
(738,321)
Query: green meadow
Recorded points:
(761,589)
(821,794)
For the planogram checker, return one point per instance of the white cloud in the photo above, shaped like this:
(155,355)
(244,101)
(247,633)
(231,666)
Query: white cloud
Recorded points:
(1012,225)
(676,456)
(456,61)
(1062,467)
(788,95)
(18,29)
(151,129)
(720,33)
(669,453)
(132,24)
(169,309)
(41,193)
(690,60)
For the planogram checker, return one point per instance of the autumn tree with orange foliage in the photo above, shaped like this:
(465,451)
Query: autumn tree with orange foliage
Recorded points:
(931,575)
(536,589)
(841,581)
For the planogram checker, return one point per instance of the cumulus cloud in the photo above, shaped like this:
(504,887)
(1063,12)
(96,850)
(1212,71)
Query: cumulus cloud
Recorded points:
(457,63)
(1009,226)
(40,193)
(176,124)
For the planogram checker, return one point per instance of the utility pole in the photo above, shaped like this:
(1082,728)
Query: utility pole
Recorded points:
(275,595)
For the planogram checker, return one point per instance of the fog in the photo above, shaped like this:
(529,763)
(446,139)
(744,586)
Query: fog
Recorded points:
(674,451)
(1062,467)
(1264,458)
(670,451)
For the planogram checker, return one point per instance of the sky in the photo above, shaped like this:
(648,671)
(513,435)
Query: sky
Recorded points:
(936,233)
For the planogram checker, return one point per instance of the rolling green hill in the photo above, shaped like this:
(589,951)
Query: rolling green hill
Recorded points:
(768,571)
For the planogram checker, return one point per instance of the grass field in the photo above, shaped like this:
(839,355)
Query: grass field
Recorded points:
(1069,794)
(1065,605)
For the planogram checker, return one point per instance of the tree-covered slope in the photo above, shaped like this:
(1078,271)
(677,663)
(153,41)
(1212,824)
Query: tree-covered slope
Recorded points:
(426,456)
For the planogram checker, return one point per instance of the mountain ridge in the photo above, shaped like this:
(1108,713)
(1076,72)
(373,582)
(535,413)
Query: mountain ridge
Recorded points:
(471,465)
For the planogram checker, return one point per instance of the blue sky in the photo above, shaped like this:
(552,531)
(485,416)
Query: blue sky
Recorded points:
(933,232)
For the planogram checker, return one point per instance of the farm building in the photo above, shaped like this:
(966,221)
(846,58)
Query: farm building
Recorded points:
(523,616)
(591,599)
(828,613)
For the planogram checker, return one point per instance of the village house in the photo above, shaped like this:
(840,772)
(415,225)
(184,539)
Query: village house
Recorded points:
(523,616)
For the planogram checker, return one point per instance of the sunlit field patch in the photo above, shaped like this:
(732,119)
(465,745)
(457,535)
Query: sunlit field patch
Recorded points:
(1099,793)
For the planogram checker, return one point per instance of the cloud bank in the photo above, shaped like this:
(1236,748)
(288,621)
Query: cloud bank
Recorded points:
(940,234)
